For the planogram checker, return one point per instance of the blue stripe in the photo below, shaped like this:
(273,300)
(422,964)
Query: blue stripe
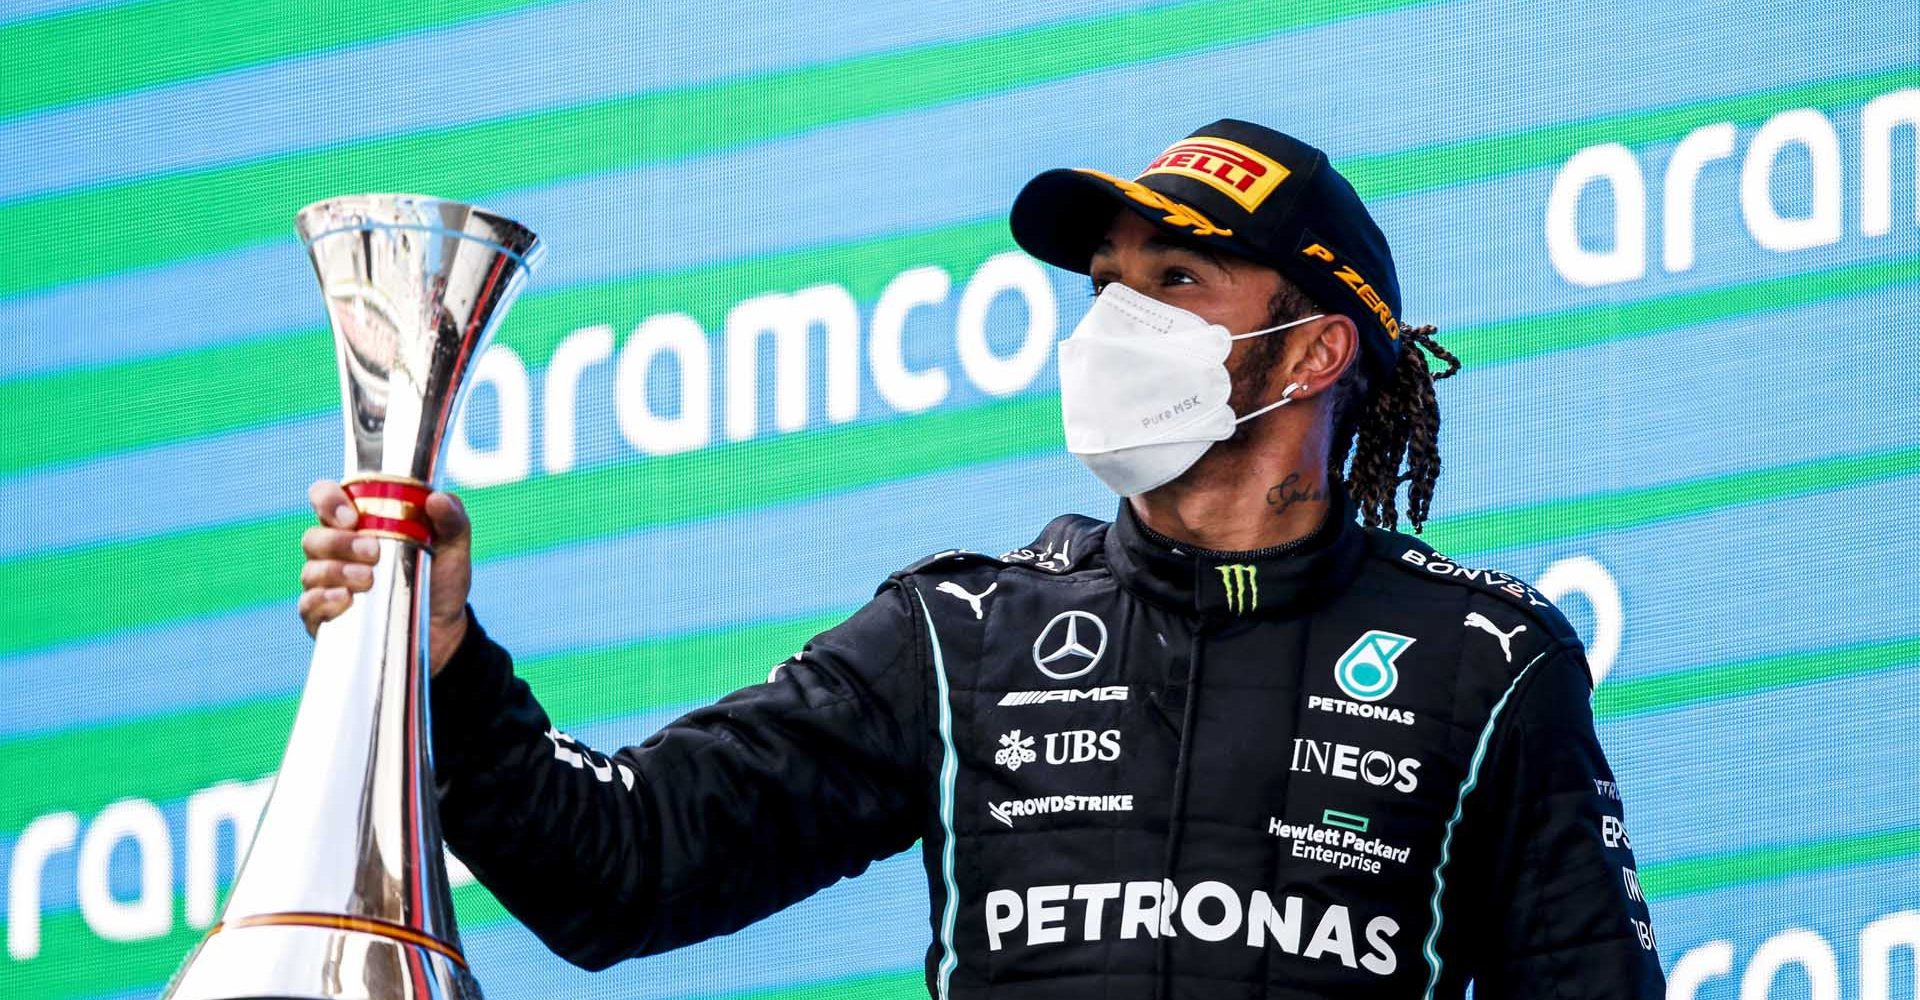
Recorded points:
(1700,373)
(221,479)
(600,232)
(949,771)
(586,594)
(151,992)
(613,49)
(1459,804)
(559,600)
(1769,578)
(1689,777)
(1836,904)
(58,891)
(26,10)
(265,471)
(1580,422)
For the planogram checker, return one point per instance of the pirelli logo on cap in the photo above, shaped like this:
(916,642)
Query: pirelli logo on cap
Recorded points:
(1243,174)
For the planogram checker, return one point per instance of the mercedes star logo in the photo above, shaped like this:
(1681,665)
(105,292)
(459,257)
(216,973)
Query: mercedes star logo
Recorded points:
(1064,641)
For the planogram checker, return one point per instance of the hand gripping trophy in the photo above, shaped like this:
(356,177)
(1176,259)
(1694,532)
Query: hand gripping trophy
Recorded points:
(344,891)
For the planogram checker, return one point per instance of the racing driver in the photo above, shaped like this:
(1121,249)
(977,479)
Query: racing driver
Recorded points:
(1246,740)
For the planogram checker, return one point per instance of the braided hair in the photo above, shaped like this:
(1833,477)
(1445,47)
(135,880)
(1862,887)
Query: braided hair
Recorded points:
(1399,424)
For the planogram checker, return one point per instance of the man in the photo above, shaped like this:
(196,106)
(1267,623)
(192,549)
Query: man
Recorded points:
(1234,744)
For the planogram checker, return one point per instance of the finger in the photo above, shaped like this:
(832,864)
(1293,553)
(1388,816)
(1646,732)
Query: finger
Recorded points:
(323,605)
(332,504)
(449,517)
(336,543)
(309,600)
(324,573)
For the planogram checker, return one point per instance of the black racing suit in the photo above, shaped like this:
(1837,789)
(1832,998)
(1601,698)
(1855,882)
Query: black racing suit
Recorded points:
(1342,767)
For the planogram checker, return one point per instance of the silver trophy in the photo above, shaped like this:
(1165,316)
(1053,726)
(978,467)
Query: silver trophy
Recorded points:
(344,891)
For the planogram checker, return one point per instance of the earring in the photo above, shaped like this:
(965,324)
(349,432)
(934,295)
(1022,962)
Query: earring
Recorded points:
(1292,387)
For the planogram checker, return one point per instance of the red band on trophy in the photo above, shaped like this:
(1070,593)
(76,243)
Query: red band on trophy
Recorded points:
(392,508)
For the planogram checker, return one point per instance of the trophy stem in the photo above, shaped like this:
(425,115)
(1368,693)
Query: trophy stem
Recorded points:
(345,887)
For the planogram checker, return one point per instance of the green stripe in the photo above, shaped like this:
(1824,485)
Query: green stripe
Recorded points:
(949,772)
(173,397)
(139,223)
(1619,699)
(1687,876)
(99,410)
(93,411)
(59,597)
(601,684)
(82,234)
(1492,156)
(1604,512)
(581,687)
(907,984)
(58,60)
(1472,780)
(1532,336)
(96,411)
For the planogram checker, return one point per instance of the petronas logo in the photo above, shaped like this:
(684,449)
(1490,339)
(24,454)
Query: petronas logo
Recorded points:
(1366,671)
(1242,584)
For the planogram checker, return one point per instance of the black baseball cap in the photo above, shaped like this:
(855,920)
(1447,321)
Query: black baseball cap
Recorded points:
(1249,191)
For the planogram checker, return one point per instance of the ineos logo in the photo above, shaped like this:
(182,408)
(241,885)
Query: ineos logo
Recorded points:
(1062,649)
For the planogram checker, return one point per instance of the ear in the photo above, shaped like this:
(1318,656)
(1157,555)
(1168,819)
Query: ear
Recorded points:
(1322,351)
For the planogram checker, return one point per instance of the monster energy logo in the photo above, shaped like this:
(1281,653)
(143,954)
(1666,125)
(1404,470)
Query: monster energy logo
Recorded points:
(1242,584)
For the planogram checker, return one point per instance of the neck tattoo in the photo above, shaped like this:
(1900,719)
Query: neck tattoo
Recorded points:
(1291,491)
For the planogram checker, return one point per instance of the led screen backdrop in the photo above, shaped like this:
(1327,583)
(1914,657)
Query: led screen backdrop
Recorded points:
(783,345)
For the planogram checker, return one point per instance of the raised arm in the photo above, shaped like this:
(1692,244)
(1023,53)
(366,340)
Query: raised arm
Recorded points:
(730,813)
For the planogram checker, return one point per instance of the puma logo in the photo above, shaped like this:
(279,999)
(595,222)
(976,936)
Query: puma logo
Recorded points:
(1480,621)
(950,587)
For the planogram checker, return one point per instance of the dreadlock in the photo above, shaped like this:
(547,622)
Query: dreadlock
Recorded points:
(1398,425)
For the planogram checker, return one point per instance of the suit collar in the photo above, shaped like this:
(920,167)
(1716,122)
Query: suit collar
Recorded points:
(1279,581)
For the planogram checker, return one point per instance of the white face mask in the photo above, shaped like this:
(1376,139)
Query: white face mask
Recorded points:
(1144,389)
